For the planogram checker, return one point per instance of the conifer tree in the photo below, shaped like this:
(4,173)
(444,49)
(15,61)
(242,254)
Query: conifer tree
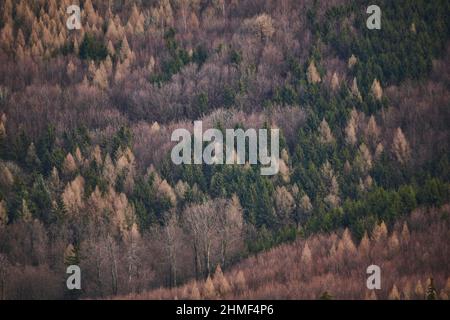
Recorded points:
(431,293)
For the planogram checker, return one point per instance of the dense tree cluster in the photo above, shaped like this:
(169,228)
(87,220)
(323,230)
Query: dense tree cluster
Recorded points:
(333,265)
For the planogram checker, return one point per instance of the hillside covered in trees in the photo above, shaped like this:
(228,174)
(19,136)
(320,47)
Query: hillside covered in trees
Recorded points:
(86,118)
(328,266)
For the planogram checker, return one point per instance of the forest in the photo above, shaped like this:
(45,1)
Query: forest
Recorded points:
(86,178)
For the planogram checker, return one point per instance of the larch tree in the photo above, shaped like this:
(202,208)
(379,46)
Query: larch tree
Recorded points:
(331,185)
(352,61)
(110,48)
(306,257)
(283,171)
(334,82)
(284,204)
(220,282)
(371,295)
(25,213)
(376,90)
(109,171)
(355,89)
(325,134)
(73,195)
(2,129)
(101,77)
(151,64)
(431,293)
(70,69)
(405,235)
(195,293)
(363,160)
(32,160)
(96,155)
(346,248)
(400,147)
(372,131)
(407,290)
(112,35)
(394,294)
(379,232)
(4,273)
(69,165)
(209,292)
(312,74)
(125,51)
(183,8)
(6,177)
(3,214)
(364,246)
(165,191)
(305,205)
(239,283)
(393,243)
(419,291)
(180,189)
(194,24)
(379,150)
(7,37)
